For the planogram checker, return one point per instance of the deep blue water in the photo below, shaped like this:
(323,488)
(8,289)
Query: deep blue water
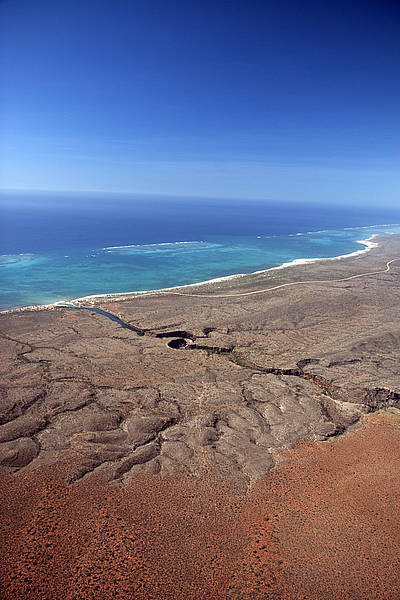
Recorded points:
(55,247)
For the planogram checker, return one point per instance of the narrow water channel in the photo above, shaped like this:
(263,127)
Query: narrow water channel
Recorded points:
(104,313)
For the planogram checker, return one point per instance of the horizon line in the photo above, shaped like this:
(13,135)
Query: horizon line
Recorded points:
(137,193)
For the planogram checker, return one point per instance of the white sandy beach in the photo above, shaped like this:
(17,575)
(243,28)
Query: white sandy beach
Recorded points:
(368,244)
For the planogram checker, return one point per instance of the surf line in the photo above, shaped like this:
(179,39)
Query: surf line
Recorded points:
(282,285)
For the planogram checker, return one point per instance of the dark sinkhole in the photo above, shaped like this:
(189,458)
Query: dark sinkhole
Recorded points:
(177,343)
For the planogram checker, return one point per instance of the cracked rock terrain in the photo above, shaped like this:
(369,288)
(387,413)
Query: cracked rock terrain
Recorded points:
(209,444)
(201,382)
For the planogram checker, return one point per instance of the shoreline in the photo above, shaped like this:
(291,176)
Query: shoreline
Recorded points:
(368,243)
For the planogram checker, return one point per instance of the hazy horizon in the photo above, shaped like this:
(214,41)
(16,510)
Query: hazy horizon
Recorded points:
(94,195)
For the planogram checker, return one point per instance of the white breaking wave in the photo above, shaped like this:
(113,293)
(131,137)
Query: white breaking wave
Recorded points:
(9,259)
(370,226)
(162,244)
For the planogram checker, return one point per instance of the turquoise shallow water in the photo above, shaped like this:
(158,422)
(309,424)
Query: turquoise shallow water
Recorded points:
(29,278)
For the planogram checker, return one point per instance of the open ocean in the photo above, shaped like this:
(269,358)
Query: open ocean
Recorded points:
(55,247)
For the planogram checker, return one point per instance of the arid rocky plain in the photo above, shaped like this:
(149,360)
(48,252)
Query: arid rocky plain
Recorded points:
(235,442)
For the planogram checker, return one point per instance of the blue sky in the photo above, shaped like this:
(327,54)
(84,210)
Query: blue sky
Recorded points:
(283,100)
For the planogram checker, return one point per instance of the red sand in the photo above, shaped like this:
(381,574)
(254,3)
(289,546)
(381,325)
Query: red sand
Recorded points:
(323,525)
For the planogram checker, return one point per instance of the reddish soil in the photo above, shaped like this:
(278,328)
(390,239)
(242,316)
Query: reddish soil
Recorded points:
(332,512)
(324,524)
